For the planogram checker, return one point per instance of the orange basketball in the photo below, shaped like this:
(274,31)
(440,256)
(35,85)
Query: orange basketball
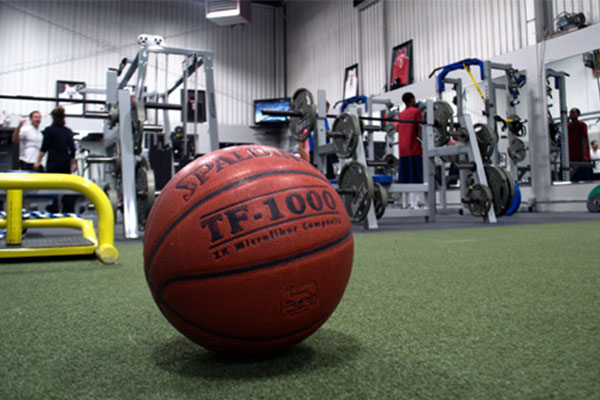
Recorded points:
(248,250)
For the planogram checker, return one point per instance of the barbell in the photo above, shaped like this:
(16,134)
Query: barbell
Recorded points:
(359,191)
(157,106)
(303,115)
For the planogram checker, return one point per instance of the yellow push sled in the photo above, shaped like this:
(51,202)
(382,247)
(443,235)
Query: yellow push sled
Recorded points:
(17,246)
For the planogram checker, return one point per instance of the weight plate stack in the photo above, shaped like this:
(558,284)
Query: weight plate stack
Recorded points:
(512,188)
(356,189)
(500,187)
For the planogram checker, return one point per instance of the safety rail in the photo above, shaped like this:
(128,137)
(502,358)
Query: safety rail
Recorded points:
(15,183)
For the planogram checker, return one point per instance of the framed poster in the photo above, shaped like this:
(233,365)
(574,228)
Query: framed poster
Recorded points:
(69,90)
(402,65)
(351,82)
(194,102)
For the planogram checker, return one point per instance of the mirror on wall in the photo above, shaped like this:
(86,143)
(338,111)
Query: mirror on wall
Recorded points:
(573,90)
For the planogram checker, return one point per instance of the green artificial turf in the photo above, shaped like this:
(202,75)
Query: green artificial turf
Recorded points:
(486,313)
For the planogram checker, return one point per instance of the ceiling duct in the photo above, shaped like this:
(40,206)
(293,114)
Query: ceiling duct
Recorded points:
(228,12)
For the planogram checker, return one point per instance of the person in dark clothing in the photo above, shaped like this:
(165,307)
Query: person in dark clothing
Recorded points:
(579,148)
(59,144)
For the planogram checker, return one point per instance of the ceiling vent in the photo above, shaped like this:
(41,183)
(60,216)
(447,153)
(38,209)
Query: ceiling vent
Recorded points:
(228,12)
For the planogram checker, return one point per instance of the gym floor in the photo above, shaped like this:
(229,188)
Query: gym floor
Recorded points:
(453,220)
(431,311)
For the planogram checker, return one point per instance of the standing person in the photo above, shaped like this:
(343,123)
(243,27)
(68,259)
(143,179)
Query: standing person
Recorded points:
(59,144)
(579,149)
(595,157)
(410,151)
(30,140)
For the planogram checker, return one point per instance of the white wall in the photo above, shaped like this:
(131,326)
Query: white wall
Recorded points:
(325,38)
(322,42)
(45,41)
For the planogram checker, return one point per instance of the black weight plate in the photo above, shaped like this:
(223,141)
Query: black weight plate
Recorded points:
(517,150)
(348,125)
(302,96)
(487,140)
(442,120)
(355,177)
(470,181)
(479,199)
(515,125)
(593,203)
(145,191)
(380,199)
(392,164)
(500,187)
(512,190)
(460,135)
(303,102)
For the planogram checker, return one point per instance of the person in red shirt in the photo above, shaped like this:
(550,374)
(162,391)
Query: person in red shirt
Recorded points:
(410,152)
(579,148)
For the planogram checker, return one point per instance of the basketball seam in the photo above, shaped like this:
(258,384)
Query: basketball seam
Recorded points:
(245,270)
(256,339)
(212,195)
(269,264)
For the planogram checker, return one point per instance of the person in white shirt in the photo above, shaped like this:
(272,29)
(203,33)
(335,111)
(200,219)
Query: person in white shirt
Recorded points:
(595,157)
(30,140)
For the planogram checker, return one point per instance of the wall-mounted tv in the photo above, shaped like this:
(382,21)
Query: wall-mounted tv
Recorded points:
(281,104)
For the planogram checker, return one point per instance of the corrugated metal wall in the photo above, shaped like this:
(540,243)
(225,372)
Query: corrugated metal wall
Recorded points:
(451,30)
(589,7)
(322,41)
(372,45)
(45,41)
(443,31)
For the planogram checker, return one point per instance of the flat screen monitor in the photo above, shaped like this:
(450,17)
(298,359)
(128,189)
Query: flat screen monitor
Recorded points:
(281,104)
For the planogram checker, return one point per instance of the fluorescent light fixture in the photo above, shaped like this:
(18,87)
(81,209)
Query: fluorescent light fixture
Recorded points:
(228,12)
(223,13)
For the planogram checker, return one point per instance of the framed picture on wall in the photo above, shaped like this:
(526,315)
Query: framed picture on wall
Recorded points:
(402,65)
(195,102)
(69,90)
(351,82)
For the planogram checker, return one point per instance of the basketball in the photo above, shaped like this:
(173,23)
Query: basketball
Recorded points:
(248,250)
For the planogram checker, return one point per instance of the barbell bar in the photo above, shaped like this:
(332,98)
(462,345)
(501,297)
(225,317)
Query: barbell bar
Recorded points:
(281,113)
(158,106)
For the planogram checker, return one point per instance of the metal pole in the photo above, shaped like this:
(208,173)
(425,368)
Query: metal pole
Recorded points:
(156,88)
(564,118)
(196,108)
(211,114)
(184,104)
